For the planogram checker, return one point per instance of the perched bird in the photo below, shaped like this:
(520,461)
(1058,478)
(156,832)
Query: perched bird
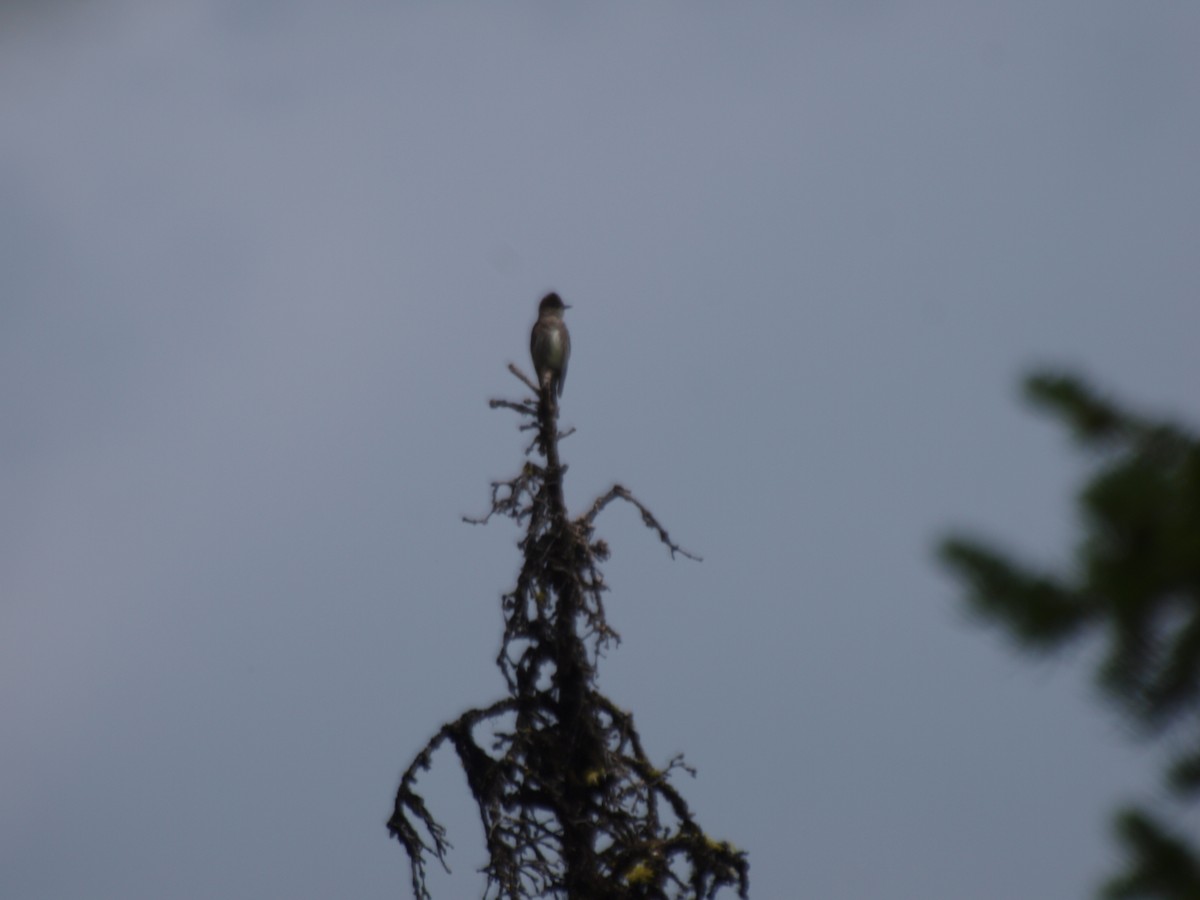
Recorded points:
(550,345)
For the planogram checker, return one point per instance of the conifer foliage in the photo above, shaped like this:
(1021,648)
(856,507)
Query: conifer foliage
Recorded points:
(1135,585)
(570,803)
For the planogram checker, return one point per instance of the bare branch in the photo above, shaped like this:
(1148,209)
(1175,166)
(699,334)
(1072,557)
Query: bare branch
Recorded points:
(617,492)
(529,382)
(524,407)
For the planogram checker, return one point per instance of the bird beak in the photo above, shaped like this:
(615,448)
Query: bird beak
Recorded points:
(566,306)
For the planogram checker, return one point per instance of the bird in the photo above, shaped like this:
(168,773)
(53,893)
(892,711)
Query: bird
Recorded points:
(550,345)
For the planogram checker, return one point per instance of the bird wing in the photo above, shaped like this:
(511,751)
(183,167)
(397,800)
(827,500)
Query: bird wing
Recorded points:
(566,357)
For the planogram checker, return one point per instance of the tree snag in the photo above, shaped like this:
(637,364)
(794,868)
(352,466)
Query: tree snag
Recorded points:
(570,804)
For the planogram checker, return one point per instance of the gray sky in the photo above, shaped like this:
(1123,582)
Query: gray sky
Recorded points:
(263,264)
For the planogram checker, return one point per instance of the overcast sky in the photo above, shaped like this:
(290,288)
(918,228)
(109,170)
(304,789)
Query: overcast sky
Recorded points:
(262,265)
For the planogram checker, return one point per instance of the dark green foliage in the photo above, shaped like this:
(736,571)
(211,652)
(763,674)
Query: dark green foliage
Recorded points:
(1091,418)
(1135,584)
(1164,866)
(1039,610)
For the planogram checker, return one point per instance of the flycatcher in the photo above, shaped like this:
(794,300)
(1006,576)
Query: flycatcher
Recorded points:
(550,345)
